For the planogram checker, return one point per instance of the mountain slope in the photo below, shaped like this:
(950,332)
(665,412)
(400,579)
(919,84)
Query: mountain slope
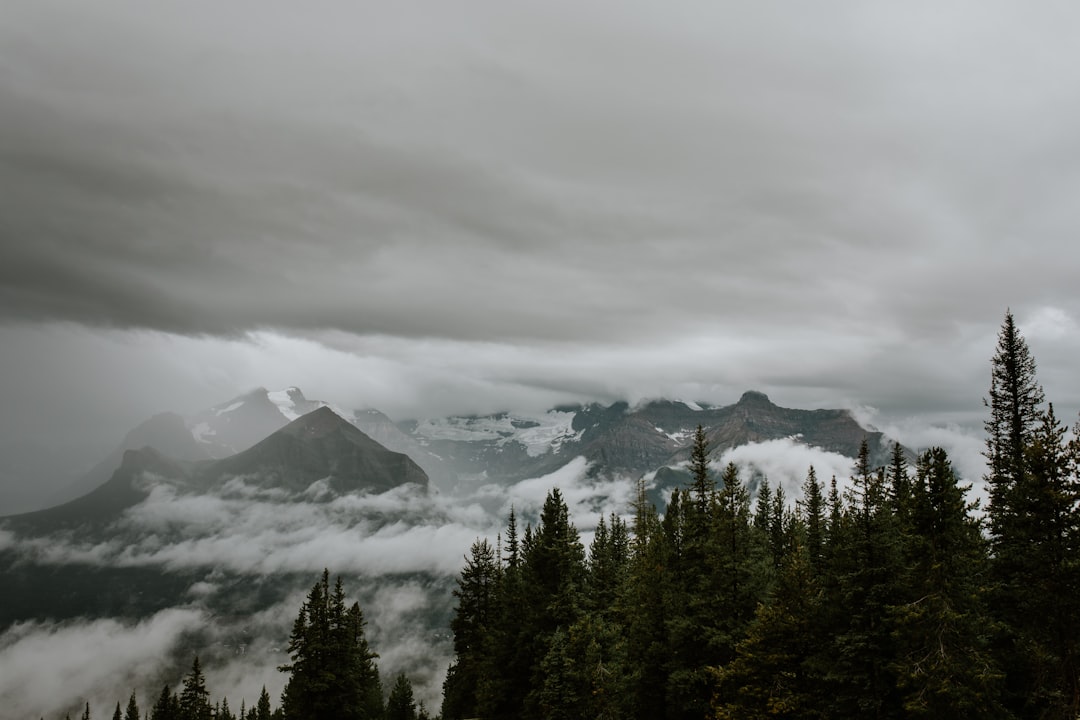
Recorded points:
(165,432)
(630,441)
(319,445)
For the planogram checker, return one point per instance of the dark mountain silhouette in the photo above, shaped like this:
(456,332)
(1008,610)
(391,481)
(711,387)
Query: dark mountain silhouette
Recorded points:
(319,445)
(165,432)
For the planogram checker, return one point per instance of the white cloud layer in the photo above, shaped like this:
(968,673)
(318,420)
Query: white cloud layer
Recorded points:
(47,669)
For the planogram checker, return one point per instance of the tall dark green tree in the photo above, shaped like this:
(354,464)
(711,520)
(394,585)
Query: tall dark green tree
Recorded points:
(167,706)
(944,666)
(1033,523)
(262,708)
(1015,405)
(132,711)
(332,669)
(643,612)
(609,555)
(554,574)
(868,581)
(194,697)
(401,705)
(702,485)
(813,512)
(771,675)
(472,625)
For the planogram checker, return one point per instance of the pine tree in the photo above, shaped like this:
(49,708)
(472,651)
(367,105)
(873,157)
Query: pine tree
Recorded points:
(118,715)
(471,625)
(702,486)
(262,709)
(167,706)
(554,575)
(132,712)
(772,675)
(401,705)
(643,612)
(868,579)
(944,667)
(607,565)
(333,672)
(813,511)
(86,713)
(195,698)
(1014,403)
(1034,536)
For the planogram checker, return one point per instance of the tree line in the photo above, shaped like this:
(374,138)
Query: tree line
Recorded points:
(897,598)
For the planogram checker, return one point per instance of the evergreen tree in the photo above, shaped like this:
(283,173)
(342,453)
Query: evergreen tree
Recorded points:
(132,711)
(86,713)
(868,580)
(607,566)
(401,705)
(943,665)
(643,612)
(554,575)
(1014,403)
(262,709)
(471,625)
(702,486)
(118,715)
(1033,523)
(333,672)
(772,675)
(195,698)
(813,511)
(167,706)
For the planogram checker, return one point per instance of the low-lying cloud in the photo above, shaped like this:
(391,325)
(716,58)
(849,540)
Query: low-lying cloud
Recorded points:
(47,668)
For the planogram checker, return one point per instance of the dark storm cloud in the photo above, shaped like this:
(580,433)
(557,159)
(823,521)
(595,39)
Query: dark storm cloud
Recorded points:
(470,207)
(436,172)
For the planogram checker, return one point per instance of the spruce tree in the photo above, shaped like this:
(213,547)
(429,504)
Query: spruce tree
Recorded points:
(167,706)
(771,675)
(401,705)
(132,711)
(194,699)
(813,511)
(554,575)
(332,669)
(868,579)
(262,709)
(943,663)
(471,625)
(643,612)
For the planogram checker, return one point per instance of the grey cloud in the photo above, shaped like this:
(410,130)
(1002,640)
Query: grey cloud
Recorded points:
(438,178)
(437,210)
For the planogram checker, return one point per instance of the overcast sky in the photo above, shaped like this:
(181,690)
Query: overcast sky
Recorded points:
(470,206)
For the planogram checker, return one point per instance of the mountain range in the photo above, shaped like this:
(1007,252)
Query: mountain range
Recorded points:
(463,451)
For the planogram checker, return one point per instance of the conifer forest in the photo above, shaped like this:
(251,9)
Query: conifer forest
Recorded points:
(898,597)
